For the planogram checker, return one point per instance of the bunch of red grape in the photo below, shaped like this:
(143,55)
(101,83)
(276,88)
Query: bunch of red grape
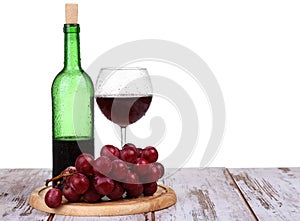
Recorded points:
(130,172)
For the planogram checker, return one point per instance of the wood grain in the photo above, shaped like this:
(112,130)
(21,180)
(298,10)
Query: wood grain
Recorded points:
(138,217)
(204,194)
(15,187)
(272,193)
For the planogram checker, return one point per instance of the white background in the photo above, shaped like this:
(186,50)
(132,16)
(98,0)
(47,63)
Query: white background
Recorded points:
(252,47)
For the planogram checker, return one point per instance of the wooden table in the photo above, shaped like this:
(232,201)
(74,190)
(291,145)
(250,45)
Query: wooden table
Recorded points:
(202,194)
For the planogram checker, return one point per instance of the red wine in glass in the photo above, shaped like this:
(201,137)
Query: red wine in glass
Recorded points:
(123,94)
(124,110)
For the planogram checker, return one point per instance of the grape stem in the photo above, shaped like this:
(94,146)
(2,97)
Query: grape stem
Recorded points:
(70,173)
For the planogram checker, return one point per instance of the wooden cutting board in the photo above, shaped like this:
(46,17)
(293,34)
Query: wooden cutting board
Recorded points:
(163,198)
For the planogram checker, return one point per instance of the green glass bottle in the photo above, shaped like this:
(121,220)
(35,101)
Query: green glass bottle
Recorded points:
(72,106)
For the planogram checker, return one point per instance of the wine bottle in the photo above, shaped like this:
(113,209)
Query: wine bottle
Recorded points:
(72,102)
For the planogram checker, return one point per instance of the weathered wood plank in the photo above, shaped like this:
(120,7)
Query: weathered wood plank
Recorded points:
(204,194)
(16,186)
(139,217)
(272,193)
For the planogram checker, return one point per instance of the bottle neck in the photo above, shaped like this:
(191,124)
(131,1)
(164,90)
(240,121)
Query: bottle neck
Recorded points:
(72,47)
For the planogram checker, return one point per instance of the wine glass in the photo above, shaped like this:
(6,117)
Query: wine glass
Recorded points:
(123,95)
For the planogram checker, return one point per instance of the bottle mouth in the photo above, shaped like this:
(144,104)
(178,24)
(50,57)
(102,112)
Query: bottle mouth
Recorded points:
(71,28)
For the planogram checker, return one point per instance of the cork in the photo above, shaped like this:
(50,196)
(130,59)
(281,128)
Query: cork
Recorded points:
(71,13)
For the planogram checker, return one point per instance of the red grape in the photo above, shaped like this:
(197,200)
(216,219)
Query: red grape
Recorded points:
(103,185)
(102,166)
(131,170)
(70,194)
(150,188)
(91,195)
(129,145)
(117,192)
(53,197)
(119,170)
(130,181)
(84,163)
(160,168)
(131,177)
(69,170)
(141,167)
(152,175)
(79,183)
(150,154)
(110,151)
(136,191)
(139,151)
(128,153)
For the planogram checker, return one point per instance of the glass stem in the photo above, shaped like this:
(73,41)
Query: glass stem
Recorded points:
(123,136)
